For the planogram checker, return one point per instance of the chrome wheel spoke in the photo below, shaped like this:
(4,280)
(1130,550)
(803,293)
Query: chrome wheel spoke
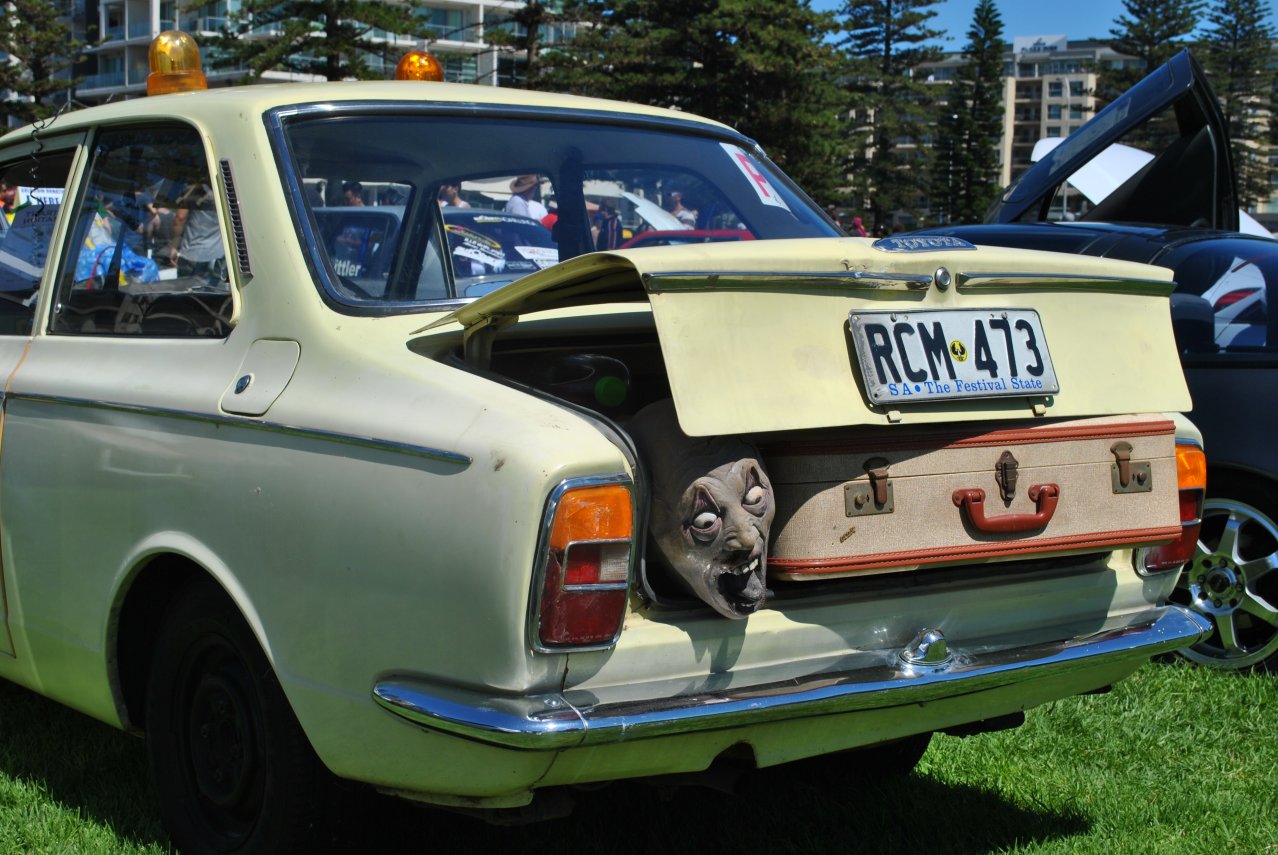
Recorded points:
(1258,568)
(1228,632)
(1228,545)
(1257,607)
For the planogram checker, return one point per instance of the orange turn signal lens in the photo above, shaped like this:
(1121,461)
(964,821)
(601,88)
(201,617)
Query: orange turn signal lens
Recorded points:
(587,569)
(592,513)
(175,64)
(419,65)
(1191,478)
(1191,467)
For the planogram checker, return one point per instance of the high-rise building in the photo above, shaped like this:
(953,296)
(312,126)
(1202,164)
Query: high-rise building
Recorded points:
(117,66)
(1048,90)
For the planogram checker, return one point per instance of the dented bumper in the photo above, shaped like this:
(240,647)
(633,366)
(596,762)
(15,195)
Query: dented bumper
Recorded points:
(576,718)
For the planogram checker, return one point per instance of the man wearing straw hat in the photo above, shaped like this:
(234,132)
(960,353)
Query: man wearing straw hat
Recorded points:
(522,191)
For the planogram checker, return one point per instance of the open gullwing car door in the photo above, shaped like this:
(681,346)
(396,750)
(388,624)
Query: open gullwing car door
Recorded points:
(1189,179)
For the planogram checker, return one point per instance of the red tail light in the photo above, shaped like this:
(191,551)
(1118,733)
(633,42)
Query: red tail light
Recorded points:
(587,566)
(1191,477)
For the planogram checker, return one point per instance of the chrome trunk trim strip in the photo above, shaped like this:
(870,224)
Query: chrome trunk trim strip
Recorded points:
(659,283)
(1064,281)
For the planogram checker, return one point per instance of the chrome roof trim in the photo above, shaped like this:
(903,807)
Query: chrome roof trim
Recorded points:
(1065,281)
(256,424)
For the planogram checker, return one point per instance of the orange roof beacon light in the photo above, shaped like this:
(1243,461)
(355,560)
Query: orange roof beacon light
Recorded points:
(175,64)
(419,65)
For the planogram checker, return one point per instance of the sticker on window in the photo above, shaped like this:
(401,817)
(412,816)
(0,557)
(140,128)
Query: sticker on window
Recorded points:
(544,256)
(474,246)
(39,195)
(754,175)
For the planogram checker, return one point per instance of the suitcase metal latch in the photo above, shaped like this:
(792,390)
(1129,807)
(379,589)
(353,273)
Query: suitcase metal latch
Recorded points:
(1005,475)
(1129,476)
(876,497)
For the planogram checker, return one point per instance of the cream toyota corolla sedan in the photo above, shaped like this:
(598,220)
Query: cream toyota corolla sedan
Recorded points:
(301,472)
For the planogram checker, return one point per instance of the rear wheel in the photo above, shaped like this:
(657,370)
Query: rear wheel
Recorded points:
(233,770)
(1232,580)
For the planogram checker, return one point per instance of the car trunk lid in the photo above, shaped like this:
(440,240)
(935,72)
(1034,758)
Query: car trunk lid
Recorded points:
(803,334)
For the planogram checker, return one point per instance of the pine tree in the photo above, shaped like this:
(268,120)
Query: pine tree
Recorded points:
(40,48)
(1149,32)
(329,38)
(762,66)
(523,31)
(886,42)
(1236,52)
(965,168)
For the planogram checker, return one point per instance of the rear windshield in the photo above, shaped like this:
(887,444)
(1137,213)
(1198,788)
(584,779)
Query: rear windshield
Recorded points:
(409,210)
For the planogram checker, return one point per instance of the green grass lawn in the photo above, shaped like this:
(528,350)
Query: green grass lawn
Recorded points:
(1176,759)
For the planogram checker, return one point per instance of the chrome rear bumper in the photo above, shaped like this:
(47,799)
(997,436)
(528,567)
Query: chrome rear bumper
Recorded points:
(576,718)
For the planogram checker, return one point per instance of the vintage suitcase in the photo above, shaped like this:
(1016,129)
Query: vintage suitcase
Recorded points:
(890,502)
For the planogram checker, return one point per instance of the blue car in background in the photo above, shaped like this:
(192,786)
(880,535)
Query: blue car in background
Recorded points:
(1179,209)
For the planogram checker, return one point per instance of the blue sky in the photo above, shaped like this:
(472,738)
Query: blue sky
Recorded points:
(1078,19)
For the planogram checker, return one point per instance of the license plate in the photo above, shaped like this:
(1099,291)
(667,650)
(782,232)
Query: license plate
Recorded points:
(936,355)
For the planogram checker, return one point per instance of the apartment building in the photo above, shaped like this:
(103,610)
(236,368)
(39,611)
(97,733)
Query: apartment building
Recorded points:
(1048,83)
(117,67)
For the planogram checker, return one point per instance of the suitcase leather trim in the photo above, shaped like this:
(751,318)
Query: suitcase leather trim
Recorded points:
(1023,436)
(906,558)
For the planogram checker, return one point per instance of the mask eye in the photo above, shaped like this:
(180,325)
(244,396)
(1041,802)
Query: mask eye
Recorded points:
(706,518)
(705,521)
(753,496)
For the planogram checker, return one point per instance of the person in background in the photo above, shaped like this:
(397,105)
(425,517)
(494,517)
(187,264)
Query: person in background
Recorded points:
(450,196)
(674,205)
(197,237)
(609,236)
(353,193)
(859,227)
(523,198)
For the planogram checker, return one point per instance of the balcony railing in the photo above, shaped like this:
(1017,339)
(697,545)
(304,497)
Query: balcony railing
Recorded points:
(203,24)
(139,29)
(102,80)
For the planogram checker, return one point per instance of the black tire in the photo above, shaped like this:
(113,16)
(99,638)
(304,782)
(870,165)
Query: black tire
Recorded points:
(1231,580)
(233,771)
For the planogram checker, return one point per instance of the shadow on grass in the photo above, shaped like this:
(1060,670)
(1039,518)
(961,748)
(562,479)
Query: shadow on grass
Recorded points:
(86,767)
(77,764)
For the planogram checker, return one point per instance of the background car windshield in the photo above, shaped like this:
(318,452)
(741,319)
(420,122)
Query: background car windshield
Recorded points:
(403,210)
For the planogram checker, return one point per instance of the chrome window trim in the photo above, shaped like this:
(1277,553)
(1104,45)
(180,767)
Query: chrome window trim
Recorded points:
(542,559)
(253,424)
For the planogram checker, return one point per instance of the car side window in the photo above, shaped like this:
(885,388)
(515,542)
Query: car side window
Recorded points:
(1222,302)
(146,255)
(31,192)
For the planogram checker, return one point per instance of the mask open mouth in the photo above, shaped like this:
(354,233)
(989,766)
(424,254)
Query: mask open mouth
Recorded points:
(743,587)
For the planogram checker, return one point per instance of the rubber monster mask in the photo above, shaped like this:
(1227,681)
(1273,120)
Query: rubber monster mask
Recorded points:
(712,508)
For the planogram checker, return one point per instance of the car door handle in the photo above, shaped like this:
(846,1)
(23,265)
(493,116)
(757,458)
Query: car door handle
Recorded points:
(972,501)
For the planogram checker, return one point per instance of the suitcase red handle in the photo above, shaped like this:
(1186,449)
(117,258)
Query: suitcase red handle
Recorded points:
(972,500)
